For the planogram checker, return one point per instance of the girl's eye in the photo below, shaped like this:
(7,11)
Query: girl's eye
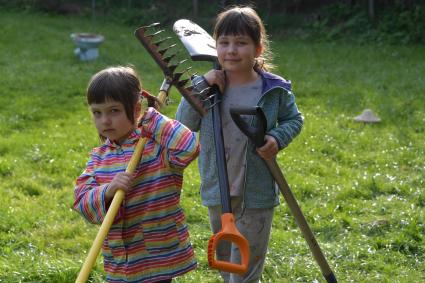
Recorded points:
(115,110)
(96,113)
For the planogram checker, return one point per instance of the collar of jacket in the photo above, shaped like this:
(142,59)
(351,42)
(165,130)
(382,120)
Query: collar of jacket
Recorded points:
(271,81)
(129,141)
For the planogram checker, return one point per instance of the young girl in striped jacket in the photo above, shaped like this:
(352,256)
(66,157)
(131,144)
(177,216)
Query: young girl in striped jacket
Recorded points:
(149,240)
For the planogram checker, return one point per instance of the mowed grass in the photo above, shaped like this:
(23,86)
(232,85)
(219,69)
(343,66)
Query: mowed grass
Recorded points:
(361,187)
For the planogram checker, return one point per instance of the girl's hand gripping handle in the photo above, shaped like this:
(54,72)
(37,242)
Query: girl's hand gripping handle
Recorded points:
(229,233)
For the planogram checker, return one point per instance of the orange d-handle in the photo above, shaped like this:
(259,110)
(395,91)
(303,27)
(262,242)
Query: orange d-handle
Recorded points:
(230,233)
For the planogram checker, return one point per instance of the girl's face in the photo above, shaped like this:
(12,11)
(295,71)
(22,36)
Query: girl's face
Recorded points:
(237,53)
(111,120)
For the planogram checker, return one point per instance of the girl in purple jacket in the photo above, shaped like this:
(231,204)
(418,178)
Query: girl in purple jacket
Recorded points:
(241,43)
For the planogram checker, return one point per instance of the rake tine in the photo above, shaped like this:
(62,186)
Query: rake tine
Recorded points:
(168,58)
(163,50)
(212,105)
(173,67)
(208,99)
(182,61)
(205,91)
(151,35)
(182,82)
(189,88)
(145,28)
(158,42)
(178,75)
(187,69)
(152,25)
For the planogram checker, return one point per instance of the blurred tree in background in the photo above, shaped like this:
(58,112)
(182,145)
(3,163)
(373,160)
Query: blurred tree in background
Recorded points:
(393,21)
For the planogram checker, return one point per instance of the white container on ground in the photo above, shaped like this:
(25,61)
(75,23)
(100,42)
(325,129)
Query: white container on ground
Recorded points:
(87,45)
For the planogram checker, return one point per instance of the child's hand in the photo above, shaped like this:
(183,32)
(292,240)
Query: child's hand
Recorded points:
(269,149)
(122,180)
(216,77)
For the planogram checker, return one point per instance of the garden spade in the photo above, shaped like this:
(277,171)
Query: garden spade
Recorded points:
(201,47)
(256,134)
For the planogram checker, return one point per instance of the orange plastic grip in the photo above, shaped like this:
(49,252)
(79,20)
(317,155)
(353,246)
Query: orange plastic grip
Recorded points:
(230,233)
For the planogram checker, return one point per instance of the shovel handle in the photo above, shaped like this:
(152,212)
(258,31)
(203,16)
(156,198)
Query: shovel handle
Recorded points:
(229,233)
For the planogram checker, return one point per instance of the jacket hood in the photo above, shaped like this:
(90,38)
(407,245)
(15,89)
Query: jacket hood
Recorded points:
(271,81)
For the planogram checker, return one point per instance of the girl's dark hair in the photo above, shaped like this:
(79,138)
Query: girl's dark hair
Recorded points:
(244,20)
(120,84)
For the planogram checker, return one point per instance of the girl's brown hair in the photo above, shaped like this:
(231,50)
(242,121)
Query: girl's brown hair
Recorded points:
(244,20)
(120,84)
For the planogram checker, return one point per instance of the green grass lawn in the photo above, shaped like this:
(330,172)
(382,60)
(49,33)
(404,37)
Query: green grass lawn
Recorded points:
(361,187)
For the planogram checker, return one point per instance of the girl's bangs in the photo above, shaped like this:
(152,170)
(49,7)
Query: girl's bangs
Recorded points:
(237,24)
(105,88)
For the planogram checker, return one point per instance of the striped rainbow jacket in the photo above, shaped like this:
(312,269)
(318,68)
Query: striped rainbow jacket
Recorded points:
(149,239)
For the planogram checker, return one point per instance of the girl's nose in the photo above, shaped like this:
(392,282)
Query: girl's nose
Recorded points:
(105,120)
(232,48)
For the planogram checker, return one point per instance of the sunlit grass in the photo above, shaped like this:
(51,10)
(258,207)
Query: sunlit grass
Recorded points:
(361,187)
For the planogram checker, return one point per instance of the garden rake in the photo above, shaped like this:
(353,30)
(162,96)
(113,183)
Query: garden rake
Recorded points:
(154,43)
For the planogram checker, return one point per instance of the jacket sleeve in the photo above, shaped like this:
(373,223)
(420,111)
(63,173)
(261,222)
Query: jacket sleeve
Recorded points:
(185,113)
(182,144)
(89,196)
(289,120)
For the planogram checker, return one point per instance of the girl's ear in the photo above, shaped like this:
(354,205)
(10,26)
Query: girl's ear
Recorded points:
(137,110)
(259,50)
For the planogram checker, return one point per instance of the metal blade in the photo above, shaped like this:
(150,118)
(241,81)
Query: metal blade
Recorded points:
(200,45)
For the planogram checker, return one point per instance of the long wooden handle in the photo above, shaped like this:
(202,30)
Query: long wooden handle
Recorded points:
(109,217)
(300,220)
(114,207)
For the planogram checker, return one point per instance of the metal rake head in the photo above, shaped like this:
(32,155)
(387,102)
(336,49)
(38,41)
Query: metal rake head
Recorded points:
(165,56)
